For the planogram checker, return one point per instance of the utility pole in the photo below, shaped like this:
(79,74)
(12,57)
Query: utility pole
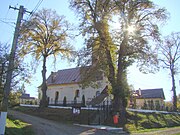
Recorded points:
(7,86)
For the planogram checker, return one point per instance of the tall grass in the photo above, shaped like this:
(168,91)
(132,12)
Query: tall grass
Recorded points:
(17,127)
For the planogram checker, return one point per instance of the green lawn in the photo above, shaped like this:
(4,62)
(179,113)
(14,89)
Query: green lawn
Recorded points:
(144,122)
(17,127)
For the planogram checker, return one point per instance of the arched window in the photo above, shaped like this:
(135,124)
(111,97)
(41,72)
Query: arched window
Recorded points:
(97,93)
(77,93)
(56,96)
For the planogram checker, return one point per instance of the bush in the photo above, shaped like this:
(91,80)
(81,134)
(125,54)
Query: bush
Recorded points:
(83,101)
(64,101)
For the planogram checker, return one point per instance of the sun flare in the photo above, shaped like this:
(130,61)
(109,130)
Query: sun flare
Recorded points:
(131,29)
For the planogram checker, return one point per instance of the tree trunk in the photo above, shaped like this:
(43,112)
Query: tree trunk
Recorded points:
(118,92)
(119,108)
(44,101)
(174,91)
(121,85)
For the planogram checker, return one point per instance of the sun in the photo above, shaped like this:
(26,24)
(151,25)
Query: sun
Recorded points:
(131,29)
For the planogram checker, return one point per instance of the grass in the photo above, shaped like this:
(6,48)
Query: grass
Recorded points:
(17,127)
(145,122)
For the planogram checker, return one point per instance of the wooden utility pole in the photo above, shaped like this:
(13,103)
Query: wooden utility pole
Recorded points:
(7,86)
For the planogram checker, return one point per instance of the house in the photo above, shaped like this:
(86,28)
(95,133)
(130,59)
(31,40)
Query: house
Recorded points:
(66,84)
(26,99)
(148,99)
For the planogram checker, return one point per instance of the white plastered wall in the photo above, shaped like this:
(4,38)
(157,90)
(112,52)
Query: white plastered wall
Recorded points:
(68,90)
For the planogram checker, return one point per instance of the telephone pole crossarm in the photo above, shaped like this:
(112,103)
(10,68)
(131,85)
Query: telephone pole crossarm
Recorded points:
(15,8)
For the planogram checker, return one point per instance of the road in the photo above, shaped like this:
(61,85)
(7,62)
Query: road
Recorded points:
(47,127)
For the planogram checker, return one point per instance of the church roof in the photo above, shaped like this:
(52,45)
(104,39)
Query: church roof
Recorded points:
(64,76)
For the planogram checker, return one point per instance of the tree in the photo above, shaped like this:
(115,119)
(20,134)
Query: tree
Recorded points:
(152,105)
(3,67)
(83,101)
(157,105)
(169,106)
(22,89)
(20,75)
(178,102)
(113,53)
(14,98)
(64,101)
(145,105)
(45,35)
(169,50)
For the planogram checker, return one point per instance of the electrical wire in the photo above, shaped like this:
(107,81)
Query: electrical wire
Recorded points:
(8,23)
(27,3)
(37,6)
(35,9)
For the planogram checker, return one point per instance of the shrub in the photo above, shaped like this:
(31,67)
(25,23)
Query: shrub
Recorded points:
(83,101)
(64,101)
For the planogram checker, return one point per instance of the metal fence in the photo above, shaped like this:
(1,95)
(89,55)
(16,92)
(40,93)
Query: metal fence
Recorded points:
(67,103)
(101,114)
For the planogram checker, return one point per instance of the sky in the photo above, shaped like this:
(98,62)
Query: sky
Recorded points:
(138,80)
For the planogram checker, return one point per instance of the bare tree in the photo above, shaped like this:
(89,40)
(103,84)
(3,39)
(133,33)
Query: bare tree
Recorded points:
(21,71)
(169,57)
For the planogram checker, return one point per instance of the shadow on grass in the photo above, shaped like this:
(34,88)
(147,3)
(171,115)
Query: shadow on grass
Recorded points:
(27,130)
(155,116)
(136,120)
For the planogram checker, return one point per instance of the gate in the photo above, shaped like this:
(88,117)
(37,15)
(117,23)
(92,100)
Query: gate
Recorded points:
(101,114)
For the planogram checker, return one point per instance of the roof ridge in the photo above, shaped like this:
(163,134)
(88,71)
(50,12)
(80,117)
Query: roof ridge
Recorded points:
(68,69)
(153,89)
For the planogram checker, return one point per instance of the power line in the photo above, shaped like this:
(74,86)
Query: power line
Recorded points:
(8,23)
(27,3)
(6,19)
(37,6)
(7,13)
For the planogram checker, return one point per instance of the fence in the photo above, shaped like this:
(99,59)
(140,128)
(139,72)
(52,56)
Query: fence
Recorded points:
(67,103)
(101,114)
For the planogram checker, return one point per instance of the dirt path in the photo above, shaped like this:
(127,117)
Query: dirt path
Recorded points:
(47,127)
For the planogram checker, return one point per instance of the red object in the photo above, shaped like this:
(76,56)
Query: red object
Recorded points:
(115,119)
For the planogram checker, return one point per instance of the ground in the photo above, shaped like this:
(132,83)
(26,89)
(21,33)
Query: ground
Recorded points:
(47,127)
(43,126)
